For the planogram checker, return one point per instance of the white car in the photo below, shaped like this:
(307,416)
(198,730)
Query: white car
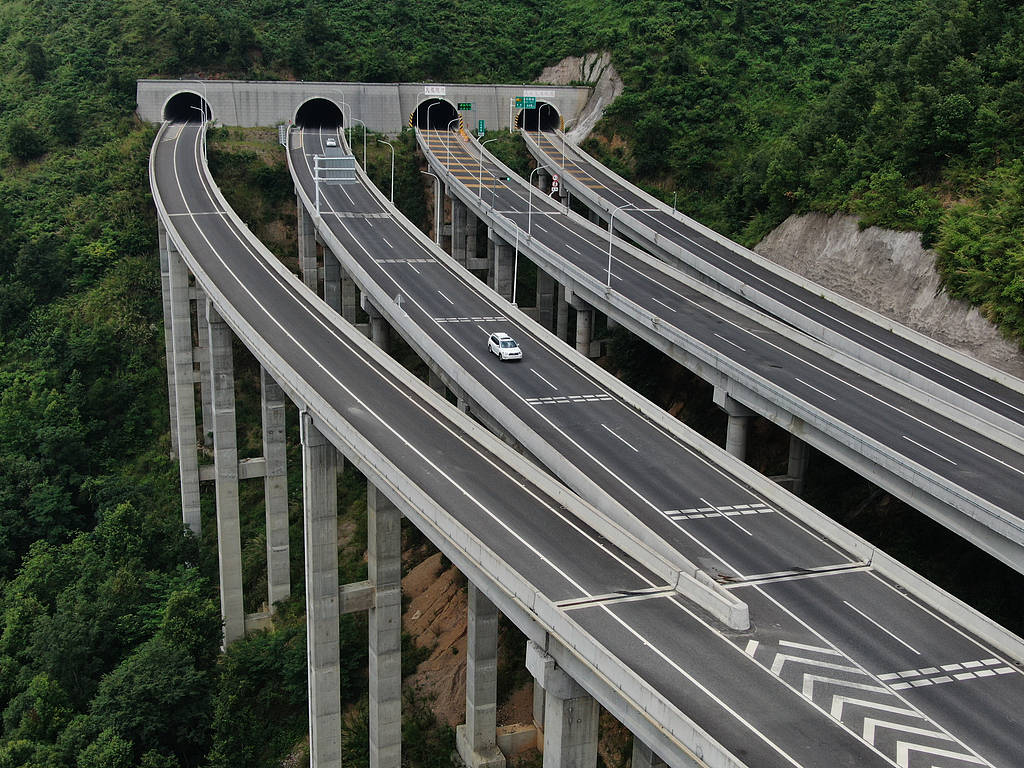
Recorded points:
(331,141)
(504,346)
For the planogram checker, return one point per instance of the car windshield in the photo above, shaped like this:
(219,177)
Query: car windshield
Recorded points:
(508,344)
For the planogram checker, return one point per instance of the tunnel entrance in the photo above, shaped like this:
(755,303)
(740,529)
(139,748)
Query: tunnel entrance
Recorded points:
(319,113)
(434,114)
(544,118)
(187,107)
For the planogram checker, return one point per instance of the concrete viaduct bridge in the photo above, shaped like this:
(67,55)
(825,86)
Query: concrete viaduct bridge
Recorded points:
(730,623)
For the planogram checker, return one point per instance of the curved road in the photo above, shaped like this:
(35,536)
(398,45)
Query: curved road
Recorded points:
(830,630)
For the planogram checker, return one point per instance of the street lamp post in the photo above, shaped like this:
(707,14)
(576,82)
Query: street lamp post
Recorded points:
(611,227)
(515,263)
(357,120)
(437,207)
(480,180)
(347,123)
(381,141)
(448,141)
(529,201)
(430,107)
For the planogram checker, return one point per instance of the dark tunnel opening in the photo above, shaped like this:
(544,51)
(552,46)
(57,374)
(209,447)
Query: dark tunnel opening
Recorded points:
(434,114)
(319,113)
(544,118)
(186,107)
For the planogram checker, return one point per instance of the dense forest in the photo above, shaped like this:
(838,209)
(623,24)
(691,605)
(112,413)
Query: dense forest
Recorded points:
(906,112)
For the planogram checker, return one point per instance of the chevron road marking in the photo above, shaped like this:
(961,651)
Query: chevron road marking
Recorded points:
(903,750)
(864,705)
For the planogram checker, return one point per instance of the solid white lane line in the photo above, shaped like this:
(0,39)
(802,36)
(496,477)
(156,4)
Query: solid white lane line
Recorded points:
(721,514)
(446,298)
(811,386)
(543,379)
(925,447)
(612,431)
(730,341)
(666,306)
(890,634)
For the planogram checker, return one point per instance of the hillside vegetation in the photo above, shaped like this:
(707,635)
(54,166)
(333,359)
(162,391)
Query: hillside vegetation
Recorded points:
(907,112)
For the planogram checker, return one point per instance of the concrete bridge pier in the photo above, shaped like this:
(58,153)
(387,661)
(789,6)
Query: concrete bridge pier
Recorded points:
(545,299)
(320,533)
(165,292)
(332,280)
(570,714)
(476,739)
(472,225)
(490,257)
(446,226)
(561,314)
(739,418)
(504,265)
(584,323)
(380,331)
(459,231)
(225,458)
(384,544)
(348,297)
(643,757)
(307,246)
(184,387)
(594,217)
(799,454)
(202,356)
(275,489)
(435,382)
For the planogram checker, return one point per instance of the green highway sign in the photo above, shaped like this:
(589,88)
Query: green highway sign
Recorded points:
(526,102)
(480,127)
(465,106)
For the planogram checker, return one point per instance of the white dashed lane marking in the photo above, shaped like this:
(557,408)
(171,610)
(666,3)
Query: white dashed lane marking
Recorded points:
(696,513)
(946,673)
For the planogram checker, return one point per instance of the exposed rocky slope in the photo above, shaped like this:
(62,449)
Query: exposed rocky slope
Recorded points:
(889,272)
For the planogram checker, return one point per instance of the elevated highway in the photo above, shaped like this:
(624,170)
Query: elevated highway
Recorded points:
(947,461)
(878,341)
(831,619)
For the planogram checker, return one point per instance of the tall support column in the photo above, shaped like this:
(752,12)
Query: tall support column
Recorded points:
(561,314)
(385,571)
(348,297)
(799,453)
(307,247)
(320,532)
(736,430)
(545,299)
(570,714)
(165,292)
(332,280)
(380,332)
(476,739)
(471,227)
(491,238)
(435,382)
(446,227)
(225,459)
(203,358)
(504,257)
(459,231)
(184,388)
(275,489)
(584,330)
(643,757)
